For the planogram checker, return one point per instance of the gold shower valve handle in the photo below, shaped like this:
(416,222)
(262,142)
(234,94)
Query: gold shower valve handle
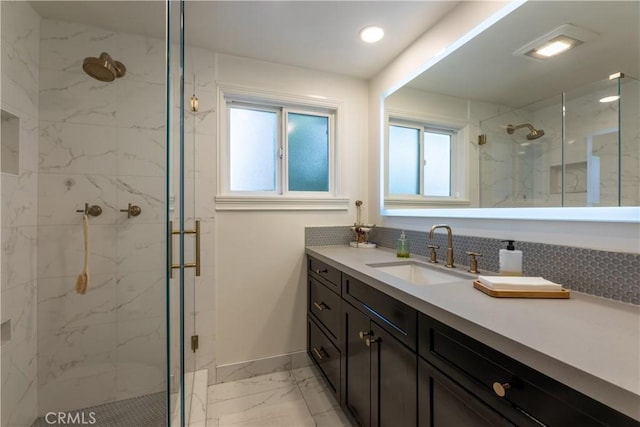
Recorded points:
(132,210)
(94,210)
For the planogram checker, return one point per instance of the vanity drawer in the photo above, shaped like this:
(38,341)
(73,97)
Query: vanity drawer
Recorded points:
(324,273)
(508,383)
(324,354)
(325,306)
(398,319)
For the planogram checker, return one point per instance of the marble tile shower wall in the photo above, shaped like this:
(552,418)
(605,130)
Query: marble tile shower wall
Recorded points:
(612,275)
(516,172)
(20,44)
(104,144)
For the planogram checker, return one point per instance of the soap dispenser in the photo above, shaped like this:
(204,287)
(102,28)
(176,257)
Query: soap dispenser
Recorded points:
(402,246)
(510,260)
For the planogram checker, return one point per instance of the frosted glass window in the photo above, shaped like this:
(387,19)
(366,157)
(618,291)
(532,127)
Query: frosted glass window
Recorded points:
(404,155)
(308,152)
(437,164)
(253,149)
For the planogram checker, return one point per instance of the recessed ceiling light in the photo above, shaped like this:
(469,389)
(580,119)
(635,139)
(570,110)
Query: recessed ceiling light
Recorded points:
(372,34)
(554,47)
(610,98)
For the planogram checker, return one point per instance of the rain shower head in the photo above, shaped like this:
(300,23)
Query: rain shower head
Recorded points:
(103,68)
(533,134)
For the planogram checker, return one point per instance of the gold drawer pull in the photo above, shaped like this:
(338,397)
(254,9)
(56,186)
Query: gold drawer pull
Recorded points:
(325,271)
(320,353)
(322,306)
(501,389)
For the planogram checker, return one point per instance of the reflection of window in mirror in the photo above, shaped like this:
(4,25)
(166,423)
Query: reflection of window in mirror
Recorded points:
(422,166)
(10,143)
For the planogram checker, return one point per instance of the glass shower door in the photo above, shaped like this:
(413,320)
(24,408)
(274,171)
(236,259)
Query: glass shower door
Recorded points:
(184,232)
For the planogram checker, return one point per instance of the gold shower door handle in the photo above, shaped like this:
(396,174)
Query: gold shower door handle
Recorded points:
(196,264)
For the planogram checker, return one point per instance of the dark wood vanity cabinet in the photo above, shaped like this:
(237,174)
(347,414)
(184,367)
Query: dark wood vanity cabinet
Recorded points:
(390,366)
(443,402)
(379,357)
(380,373)
(323,321)
(517,392)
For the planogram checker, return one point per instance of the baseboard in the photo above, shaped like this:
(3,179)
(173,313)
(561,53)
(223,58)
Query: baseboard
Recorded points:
(267,365)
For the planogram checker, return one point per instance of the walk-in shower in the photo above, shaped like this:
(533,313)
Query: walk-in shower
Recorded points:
(103,68)
(533,132)
(104,357)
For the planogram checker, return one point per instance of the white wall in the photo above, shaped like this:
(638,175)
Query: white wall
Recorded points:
(261,292)
(607,236)
(20,49)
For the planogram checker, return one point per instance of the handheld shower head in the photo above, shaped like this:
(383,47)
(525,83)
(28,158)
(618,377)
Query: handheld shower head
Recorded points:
(103,68)
(533,134)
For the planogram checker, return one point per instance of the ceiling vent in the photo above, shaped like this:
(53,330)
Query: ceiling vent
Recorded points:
(557,41)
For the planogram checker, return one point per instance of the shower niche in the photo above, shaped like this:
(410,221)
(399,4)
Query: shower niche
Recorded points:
(579,148)
(10,135)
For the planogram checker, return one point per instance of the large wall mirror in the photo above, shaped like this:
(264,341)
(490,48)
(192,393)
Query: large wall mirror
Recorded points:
(503,127)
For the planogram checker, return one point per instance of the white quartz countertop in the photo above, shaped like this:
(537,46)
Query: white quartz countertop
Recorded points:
(588,343)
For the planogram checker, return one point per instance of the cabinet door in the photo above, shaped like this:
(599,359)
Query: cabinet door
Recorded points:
(394,381)
(443,403)
(357,386)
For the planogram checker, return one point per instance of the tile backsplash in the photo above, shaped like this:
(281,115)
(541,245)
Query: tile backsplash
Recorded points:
(612,275)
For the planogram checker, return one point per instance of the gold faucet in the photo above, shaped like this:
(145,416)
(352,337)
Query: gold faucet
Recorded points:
(449,242)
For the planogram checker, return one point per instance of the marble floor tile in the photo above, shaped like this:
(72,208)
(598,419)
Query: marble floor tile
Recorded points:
(280,407)
(332,418)
(299,398)
(249,386)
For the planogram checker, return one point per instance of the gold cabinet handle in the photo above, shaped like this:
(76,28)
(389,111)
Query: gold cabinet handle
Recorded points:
(370,341)
(364,334)
(322,306)
(320,353)
(196,264)
(325,271)
(501,388)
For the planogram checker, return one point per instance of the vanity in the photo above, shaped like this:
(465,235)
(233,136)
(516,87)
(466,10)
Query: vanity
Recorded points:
(398,351)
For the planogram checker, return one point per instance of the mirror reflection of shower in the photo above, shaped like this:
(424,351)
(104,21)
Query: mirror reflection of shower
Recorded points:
(533,134)
(104,68)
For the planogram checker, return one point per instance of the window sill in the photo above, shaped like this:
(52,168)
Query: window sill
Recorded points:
(422,203)
(280,203)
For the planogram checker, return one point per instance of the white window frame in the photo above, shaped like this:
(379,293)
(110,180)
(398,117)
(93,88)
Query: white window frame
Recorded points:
(459,130)
(281,198)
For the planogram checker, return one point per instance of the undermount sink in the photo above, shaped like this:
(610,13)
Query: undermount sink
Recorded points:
(418,273)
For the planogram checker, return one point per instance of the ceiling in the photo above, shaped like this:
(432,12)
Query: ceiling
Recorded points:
(321,35)
(486,69)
